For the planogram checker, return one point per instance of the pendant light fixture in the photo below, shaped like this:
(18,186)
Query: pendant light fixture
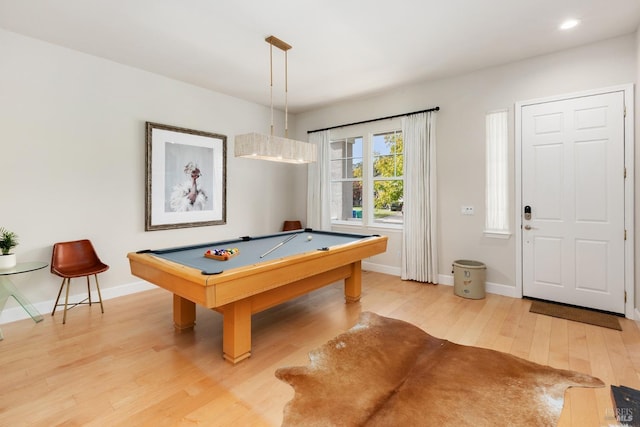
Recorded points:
(270,147)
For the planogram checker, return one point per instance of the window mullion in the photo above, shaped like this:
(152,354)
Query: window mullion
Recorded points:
(367,183)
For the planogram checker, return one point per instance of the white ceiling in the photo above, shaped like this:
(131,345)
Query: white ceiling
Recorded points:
(341,48)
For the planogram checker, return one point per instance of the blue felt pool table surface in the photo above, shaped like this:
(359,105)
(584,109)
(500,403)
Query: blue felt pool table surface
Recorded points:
(252,248)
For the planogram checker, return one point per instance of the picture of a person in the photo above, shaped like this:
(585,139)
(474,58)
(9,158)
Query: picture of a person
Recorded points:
(186,196)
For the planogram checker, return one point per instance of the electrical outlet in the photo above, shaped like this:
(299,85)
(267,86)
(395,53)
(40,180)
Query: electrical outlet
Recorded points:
(466,210)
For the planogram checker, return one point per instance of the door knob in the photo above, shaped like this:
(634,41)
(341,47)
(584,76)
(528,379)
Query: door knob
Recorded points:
(528,227)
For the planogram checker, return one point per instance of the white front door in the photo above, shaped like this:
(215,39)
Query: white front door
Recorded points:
(573,186)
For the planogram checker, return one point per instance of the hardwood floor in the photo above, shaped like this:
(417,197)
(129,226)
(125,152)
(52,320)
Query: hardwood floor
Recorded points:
(129,367)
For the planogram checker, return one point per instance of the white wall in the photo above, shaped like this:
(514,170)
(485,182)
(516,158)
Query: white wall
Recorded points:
(72,157)
(464,101)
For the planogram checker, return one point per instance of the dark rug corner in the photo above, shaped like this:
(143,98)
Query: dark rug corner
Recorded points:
(582,315)
(626,401)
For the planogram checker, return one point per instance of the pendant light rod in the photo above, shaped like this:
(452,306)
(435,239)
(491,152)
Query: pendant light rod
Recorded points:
(274,41)
(286,96)
(271,83)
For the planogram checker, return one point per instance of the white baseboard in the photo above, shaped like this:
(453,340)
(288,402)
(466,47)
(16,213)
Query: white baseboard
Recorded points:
(444,279)
(379,268)
(637,314)
(490,287)
(13,314)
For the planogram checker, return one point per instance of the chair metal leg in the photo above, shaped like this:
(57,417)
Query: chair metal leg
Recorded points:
(67,281)
(89,291)
(66,301)
(57,299)
(99,294)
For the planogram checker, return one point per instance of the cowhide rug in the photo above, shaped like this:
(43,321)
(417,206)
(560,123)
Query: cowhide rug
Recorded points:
(386,372)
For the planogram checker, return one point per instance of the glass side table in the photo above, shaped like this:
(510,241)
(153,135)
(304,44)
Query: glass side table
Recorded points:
(8,289)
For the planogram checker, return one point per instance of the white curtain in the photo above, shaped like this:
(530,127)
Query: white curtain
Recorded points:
(497,161)
(419,235)
(318,184)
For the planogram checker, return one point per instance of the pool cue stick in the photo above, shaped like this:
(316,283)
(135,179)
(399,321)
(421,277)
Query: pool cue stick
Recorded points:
(278,245)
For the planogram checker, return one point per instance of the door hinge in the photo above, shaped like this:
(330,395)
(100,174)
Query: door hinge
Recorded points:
(625,296)
(625,172)
(625,234)
(625,111)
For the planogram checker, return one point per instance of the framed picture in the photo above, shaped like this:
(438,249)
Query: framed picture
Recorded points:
(186,178)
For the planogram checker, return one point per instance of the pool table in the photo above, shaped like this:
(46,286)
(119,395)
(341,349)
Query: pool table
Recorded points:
(266,271)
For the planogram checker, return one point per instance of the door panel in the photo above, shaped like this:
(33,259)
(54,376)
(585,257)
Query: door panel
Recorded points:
(572,177)
(548,254)
(590,257)
(591,181)
(548,194)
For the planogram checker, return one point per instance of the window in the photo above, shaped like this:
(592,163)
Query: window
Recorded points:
(346,178)
(367,184)
(388,184)
(497,209)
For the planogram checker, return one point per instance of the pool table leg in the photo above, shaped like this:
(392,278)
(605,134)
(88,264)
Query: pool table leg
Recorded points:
(184,313)
(236,331)
(353,283)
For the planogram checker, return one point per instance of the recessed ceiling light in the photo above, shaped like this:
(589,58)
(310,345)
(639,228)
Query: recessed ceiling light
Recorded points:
(568,24)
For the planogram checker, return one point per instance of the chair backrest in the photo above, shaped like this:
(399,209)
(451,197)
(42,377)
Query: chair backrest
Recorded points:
(74,255)
(291,225)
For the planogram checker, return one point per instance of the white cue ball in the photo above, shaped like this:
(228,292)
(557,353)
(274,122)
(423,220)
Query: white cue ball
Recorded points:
(309,237)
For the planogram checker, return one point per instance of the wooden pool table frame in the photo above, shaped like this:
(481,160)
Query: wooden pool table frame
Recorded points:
(240,292)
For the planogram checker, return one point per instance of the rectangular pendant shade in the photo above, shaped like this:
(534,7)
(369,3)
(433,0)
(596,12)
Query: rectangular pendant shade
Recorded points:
(274,148)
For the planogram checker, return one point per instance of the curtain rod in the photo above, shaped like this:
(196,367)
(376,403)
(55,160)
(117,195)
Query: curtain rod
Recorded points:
(375,120)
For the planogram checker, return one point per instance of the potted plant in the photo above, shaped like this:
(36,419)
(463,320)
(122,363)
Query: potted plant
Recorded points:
(8,241)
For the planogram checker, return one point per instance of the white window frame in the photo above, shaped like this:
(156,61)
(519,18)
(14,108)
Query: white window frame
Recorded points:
(367,131)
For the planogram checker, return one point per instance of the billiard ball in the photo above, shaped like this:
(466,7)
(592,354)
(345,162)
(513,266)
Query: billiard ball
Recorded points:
(309,237)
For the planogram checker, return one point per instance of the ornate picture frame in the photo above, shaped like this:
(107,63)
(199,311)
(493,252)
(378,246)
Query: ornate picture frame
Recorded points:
(186,178)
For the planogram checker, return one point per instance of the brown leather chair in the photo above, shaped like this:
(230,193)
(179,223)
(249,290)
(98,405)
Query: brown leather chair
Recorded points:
(76,259)
(291,225)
